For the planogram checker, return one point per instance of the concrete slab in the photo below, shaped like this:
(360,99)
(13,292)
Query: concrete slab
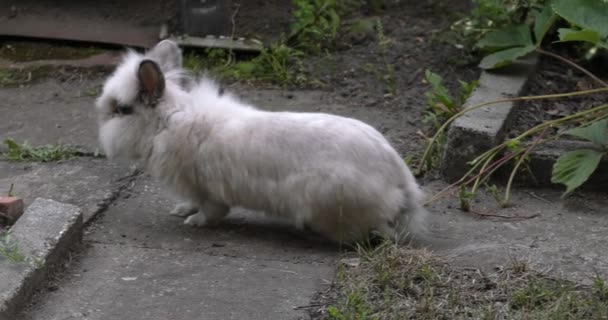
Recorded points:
(142,220)
(566,237)
(51,112)
(44,234)
(123,282)
(142,263)
(250,264)
(88,183)
(63,112)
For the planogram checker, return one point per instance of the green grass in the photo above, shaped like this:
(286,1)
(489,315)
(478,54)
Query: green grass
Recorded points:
(313,31)
(277,64)
(10,77)
(315,26)
(10,251)
(441,105)
(92,92)
(9,248)
(45,153)
(392,282)
(24,51)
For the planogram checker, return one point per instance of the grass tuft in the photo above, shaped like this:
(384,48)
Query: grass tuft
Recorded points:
(46,153)
(10,251)
(392,282)
(277,64)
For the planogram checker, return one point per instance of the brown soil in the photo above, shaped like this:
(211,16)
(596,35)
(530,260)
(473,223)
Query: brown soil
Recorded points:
(554,76)
(262,19)
(357,72)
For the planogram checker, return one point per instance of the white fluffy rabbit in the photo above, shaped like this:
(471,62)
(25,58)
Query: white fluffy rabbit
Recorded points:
(336,175)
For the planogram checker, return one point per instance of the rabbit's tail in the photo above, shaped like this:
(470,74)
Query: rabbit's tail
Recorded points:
(412,226)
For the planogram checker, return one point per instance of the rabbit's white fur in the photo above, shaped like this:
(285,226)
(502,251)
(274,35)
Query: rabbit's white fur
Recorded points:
(337,175)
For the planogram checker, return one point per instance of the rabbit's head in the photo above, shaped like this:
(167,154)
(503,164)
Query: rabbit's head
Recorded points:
(128,107)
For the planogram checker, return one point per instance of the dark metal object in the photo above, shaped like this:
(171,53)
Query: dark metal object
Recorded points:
(204,17)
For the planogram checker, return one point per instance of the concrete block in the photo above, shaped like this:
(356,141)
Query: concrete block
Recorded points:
(11,208)
(481,129)
(43,234)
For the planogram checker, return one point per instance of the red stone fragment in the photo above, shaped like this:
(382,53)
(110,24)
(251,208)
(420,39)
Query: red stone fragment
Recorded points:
(11,207)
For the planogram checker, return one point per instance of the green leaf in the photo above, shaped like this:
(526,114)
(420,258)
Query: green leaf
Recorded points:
(513,36)
(335,21)
(333,312)
(11,144)
(567,34)
(573,168)
(543,22)
(587,14)
(433,78)
(596,132)
(504,57)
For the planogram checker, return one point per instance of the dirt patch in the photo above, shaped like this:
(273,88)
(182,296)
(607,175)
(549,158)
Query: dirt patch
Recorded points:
(554,76)
(262,19)
(384,70)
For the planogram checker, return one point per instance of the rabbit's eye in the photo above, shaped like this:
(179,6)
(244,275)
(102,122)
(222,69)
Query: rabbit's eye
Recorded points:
(122,109)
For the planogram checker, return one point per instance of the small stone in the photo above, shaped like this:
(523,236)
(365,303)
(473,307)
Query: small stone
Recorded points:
(11,207)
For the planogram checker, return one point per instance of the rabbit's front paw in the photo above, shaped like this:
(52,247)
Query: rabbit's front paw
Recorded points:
(197,220)
(183,210)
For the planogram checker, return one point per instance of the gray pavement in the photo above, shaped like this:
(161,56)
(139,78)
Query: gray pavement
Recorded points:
(138,262)
(141,263)
(51,112)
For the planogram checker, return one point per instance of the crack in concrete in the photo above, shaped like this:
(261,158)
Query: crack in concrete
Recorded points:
(81,153)
(125,184)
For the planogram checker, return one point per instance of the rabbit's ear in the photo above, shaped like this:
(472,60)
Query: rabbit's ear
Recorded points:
(168,54)
(152,82)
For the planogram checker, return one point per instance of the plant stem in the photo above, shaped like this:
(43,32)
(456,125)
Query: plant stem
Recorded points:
(480,105)
(487,170)
(574,65)
(483,169)
(537,141)
(462,180)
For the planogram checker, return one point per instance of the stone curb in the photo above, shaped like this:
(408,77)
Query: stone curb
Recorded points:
(44,234)
(479,130)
